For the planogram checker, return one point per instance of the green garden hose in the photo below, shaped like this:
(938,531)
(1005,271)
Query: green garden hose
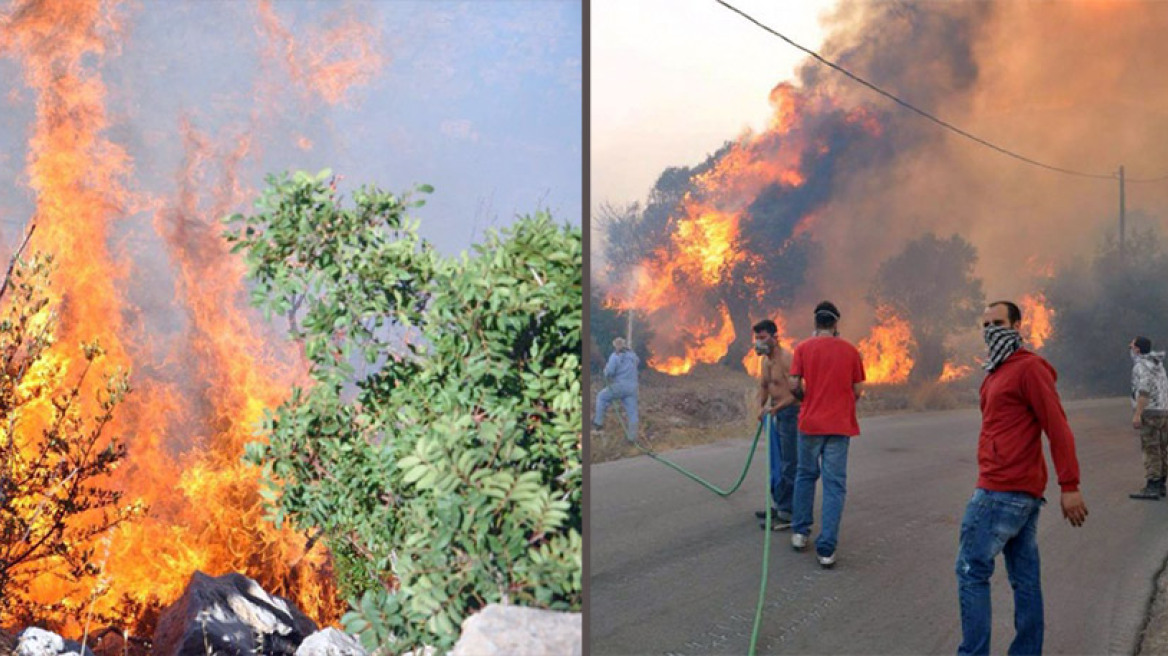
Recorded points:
(766,549)
(703,482)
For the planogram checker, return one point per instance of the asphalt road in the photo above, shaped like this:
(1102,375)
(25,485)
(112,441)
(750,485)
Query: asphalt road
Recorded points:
(674,569)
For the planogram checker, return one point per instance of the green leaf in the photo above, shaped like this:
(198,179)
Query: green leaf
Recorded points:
(429,466)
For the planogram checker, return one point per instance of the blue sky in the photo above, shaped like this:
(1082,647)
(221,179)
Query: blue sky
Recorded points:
(482,100)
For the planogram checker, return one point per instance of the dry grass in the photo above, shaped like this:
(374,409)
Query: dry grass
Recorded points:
(714,403)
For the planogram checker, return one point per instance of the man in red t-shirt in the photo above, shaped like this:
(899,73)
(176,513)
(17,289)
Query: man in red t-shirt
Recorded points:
(1019,402)
(828,371)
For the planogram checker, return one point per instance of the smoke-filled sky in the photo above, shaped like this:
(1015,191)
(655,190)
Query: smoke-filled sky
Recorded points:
(1076,84)
(1079,85)
(672,80)
(481,100)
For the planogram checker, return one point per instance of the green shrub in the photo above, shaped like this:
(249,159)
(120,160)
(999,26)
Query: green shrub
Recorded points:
(438,448)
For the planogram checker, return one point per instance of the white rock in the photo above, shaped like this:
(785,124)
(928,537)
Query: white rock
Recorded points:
(517,631)
(38,642)
(330,642)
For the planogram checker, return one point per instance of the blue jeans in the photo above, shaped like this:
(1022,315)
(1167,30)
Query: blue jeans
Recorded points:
(784,457)
(628,399)
(1006,523)
(832,450)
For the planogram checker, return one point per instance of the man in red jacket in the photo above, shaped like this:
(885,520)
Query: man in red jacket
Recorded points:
(1018,403)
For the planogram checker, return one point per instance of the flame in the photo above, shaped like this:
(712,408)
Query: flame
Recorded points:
(885,351)
(680,282)
(952,372)
(1037,319)
(705,242)
(78,177)
(201,391)
(711,340)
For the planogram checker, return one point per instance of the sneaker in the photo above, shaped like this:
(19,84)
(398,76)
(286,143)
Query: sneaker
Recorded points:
(597,427)
(799,541)
(826,561)
(775,514)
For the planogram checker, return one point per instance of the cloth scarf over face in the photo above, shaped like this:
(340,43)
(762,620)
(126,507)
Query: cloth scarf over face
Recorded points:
(1003,341)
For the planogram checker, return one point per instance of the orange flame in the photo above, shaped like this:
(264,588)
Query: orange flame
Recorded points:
(1037,319)
(952,372)
(704,244)
(711,340)
(885,351)
(190,414)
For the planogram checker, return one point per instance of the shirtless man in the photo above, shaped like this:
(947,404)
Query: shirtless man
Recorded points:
(775,396)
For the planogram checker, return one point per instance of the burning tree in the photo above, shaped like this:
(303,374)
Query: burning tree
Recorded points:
(438,449)
(705,259)
(931,285)
(56,453)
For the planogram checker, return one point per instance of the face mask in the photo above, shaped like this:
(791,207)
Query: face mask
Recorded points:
(987,334)
(1002,342)
(762,346)
(993,333)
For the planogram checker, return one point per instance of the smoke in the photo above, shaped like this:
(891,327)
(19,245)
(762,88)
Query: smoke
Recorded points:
(859,177)
(1042,79)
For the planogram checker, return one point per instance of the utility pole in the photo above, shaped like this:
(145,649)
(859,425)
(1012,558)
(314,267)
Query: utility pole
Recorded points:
(1122,211)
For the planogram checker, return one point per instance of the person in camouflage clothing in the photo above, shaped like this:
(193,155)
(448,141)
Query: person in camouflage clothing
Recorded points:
(1150,403)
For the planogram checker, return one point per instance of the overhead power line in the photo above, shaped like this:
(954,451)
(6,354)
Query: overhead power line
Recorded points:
(939,121)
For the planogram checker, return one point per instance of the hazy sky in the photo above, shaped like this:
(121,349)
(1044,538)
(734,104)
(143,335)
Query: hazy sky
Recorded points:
(482,100)
(674,79)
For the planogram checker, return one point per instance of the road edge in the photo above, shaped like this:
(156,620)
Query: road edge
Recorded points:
(1152,636)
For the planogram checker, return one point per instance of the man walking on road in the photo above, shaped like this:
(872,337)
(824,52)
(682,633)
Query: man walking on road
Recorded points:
(776,397)
(621,372)
(1019,402)
(1150,401)
(828,373)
